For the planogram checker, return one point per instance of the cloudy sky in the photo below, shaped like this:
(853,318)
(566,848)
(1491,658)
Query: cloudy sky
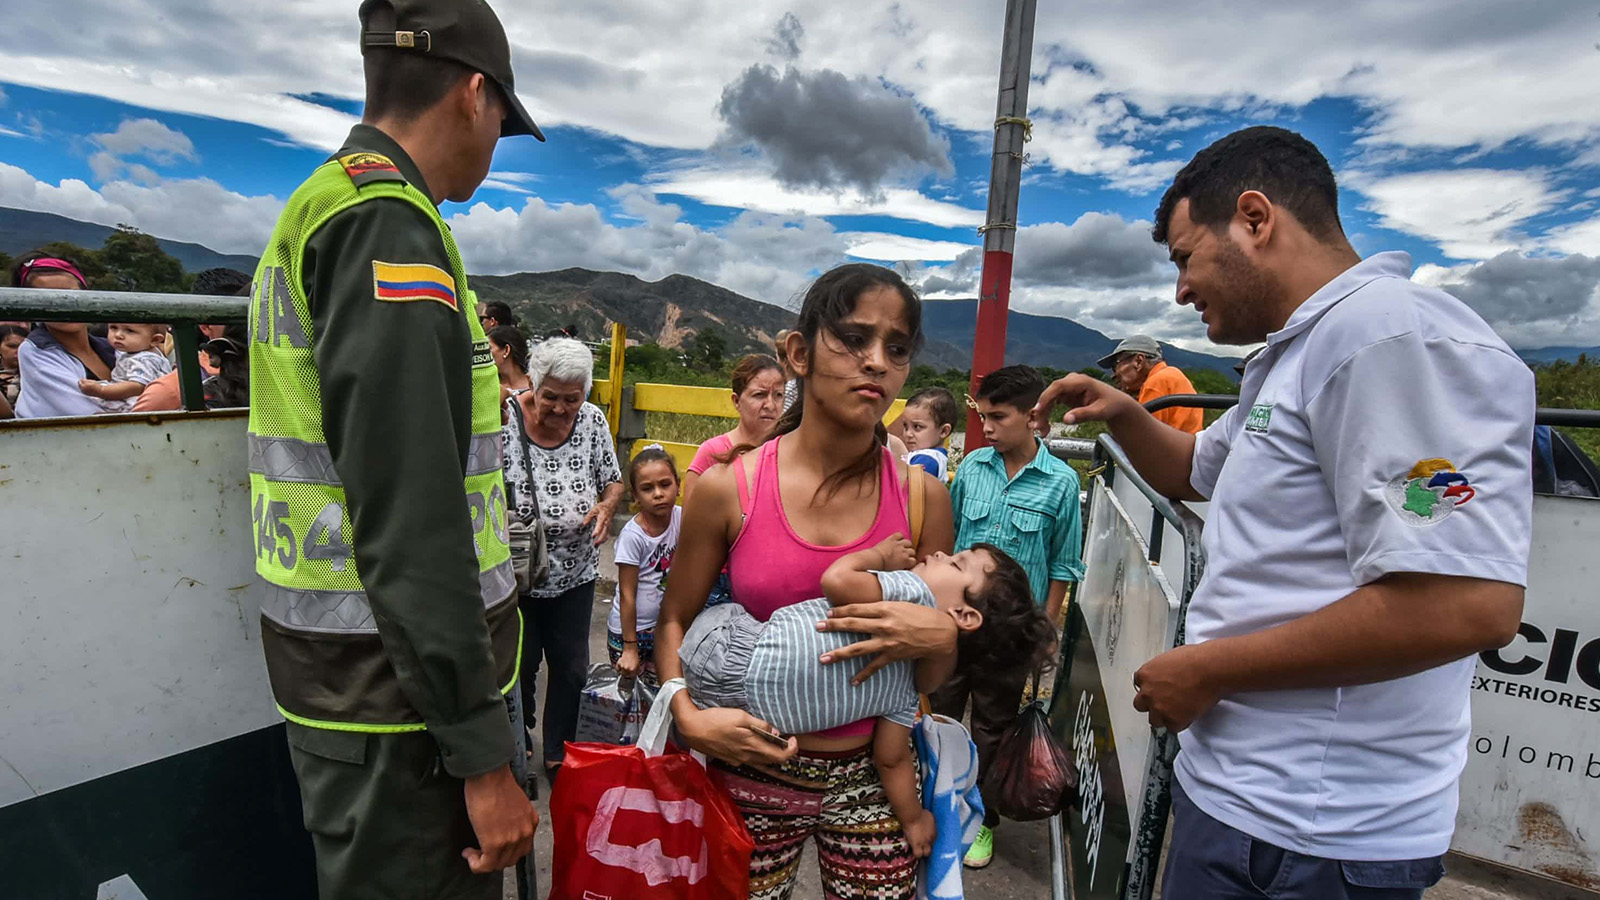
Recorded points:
(755,142)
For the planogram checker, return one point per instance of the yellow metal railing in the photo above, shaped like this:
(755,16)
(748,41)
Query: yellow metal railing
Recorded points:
(619,346)
(681,399)
(697,401)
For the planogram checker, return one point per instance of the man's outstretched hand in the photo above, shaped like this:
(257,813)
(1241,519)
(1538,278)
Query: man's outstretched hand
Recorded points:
(502,818)
(1087,400)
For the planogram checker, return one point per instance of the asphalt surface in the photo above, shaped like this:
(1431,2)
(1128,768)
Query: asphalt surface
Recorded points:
(1021,867)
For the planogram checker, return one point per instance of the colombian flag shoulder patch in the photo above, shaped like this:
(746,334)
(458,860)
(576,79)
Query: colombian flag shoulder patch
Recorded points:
(404,282)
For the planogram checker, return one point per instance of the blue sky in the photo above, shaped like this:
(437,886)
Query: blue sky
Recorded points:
(756,143)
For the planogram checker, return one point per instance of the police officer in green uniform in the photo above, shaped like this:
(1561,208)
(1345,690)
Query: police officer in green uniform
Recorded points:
(389,615)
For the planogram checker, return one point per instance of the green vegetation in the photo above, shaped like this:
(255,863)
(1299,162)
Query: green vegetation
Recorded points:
(1572,385)
(708,349)
(1566,385)
(655,364)
(662,426)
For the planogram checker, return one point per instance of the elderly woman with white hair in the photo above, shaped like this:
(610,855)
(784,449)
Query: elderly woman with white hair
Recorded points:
(558,444)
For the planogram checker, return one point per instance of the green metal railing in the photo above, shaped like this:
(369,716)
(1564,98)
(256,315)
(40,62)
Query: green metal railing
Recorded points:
(184,312)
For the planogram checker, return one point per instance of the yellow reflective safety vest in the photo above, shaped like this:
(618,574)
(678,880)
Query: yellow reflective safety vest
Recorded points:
(325,659)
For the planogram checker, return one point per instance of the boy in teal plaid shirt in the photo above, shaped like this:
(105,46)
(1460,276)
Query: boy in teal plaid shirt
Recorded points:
(1015,495)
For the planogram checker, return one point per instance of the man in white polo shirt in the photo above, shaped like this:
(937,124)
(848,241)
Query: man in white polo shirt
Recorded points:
(1371,499)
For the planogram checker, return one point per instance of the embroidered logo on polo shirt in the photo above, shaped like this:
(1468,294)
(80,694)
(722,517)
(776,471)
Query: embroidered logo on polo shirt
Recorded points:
(1260,419)
(1429,492)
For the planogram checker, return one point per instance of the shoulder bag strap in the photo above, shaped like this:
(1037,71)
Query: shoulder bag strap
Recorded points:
(527,453)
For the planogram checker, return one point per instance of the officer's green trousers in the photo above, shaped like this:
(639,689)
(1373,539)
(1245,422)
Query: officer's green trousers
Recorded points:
(387,822)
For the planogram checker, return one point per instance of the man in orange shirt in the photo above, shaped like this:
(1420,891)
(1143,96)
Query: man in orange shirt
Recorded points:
(1140,371)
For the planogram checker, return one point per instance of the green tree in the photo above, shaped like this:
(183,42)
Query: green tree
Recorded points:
(138,263)
(1572,385)
(1210,381)
(5,264)
(650,359)
(708,349)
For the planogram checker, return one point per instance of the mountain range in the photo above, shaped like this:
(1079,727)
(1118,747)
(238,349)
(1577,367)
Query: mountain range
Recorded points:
(672,310)
(22,230)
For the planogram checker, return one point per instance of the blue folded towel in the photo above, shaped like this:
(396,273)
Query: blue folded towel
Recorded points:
(949,762)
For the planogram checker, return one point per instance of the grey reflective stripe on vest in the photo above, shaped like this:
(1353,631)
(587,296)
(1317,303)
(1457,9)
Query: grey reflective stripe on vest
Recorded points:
(348,612)
(484,454)
(288,459)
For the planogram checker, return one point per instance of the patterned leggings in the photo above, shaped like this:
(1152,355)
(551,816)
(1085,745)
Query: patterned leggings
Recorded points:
(839,799)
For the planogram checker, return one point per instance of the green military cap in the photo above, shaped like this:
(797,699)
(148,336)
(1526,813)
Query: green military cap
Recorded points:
(466,31)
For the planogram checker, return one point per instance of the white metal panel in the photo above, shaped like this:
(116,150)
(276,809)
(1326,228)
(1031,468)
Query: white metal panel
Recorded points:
(1530,790)
(129,604)
(1142,515)
(1129,608)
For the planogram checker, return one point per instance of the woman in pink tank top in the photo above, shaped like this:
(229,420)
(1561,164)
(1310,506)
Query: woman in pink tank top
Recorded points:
(822,487)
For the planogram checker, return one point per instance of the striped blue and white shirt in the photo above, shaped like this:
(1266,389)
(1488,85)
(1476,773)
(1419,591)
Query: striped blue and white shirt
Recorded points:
(786,686)
(1035,517)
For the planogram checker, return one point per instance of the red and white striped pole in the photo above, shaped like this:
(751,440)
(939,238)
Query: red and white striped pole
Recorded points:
(1011,131)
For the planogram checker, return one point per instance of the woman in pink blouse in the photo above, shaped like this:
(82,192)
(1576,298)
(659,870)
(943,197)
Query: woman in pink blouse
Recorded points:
(758,396)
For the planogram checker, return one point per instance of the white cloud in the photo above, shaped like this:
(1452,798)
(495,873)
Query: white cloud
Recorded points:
(1532,301)
(147,138)
(1487,74)
(515,182)
(1119,312)
(1578,237)
(874,133)
(501,184)
(105,166)
(8,132)
(895,247)
(747,189)
(197,209)
(252,97)
(1469,213)
(71,198)
(769,257)
(1097,251)
(518,177)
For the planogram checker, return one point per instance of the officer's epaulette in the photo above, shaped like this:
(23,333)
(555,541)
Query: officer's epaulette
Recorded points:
(367,167)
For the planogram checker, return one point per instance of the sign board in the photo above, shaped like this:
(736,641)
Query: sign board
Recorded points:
(1533,764)
(1125,612)
(142,749)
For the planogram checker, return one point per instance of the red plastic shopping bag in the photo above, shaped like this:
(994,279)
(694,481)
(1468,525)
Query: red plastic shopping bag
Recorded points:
(636,822)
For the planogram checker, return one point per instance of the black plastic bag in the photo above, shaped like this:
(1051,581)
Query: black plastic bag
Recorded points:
(1032,776)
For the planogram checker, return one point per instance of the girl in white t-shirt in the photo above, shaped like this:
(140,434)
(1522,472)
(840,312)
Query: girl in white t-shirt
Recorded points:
(644,553)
